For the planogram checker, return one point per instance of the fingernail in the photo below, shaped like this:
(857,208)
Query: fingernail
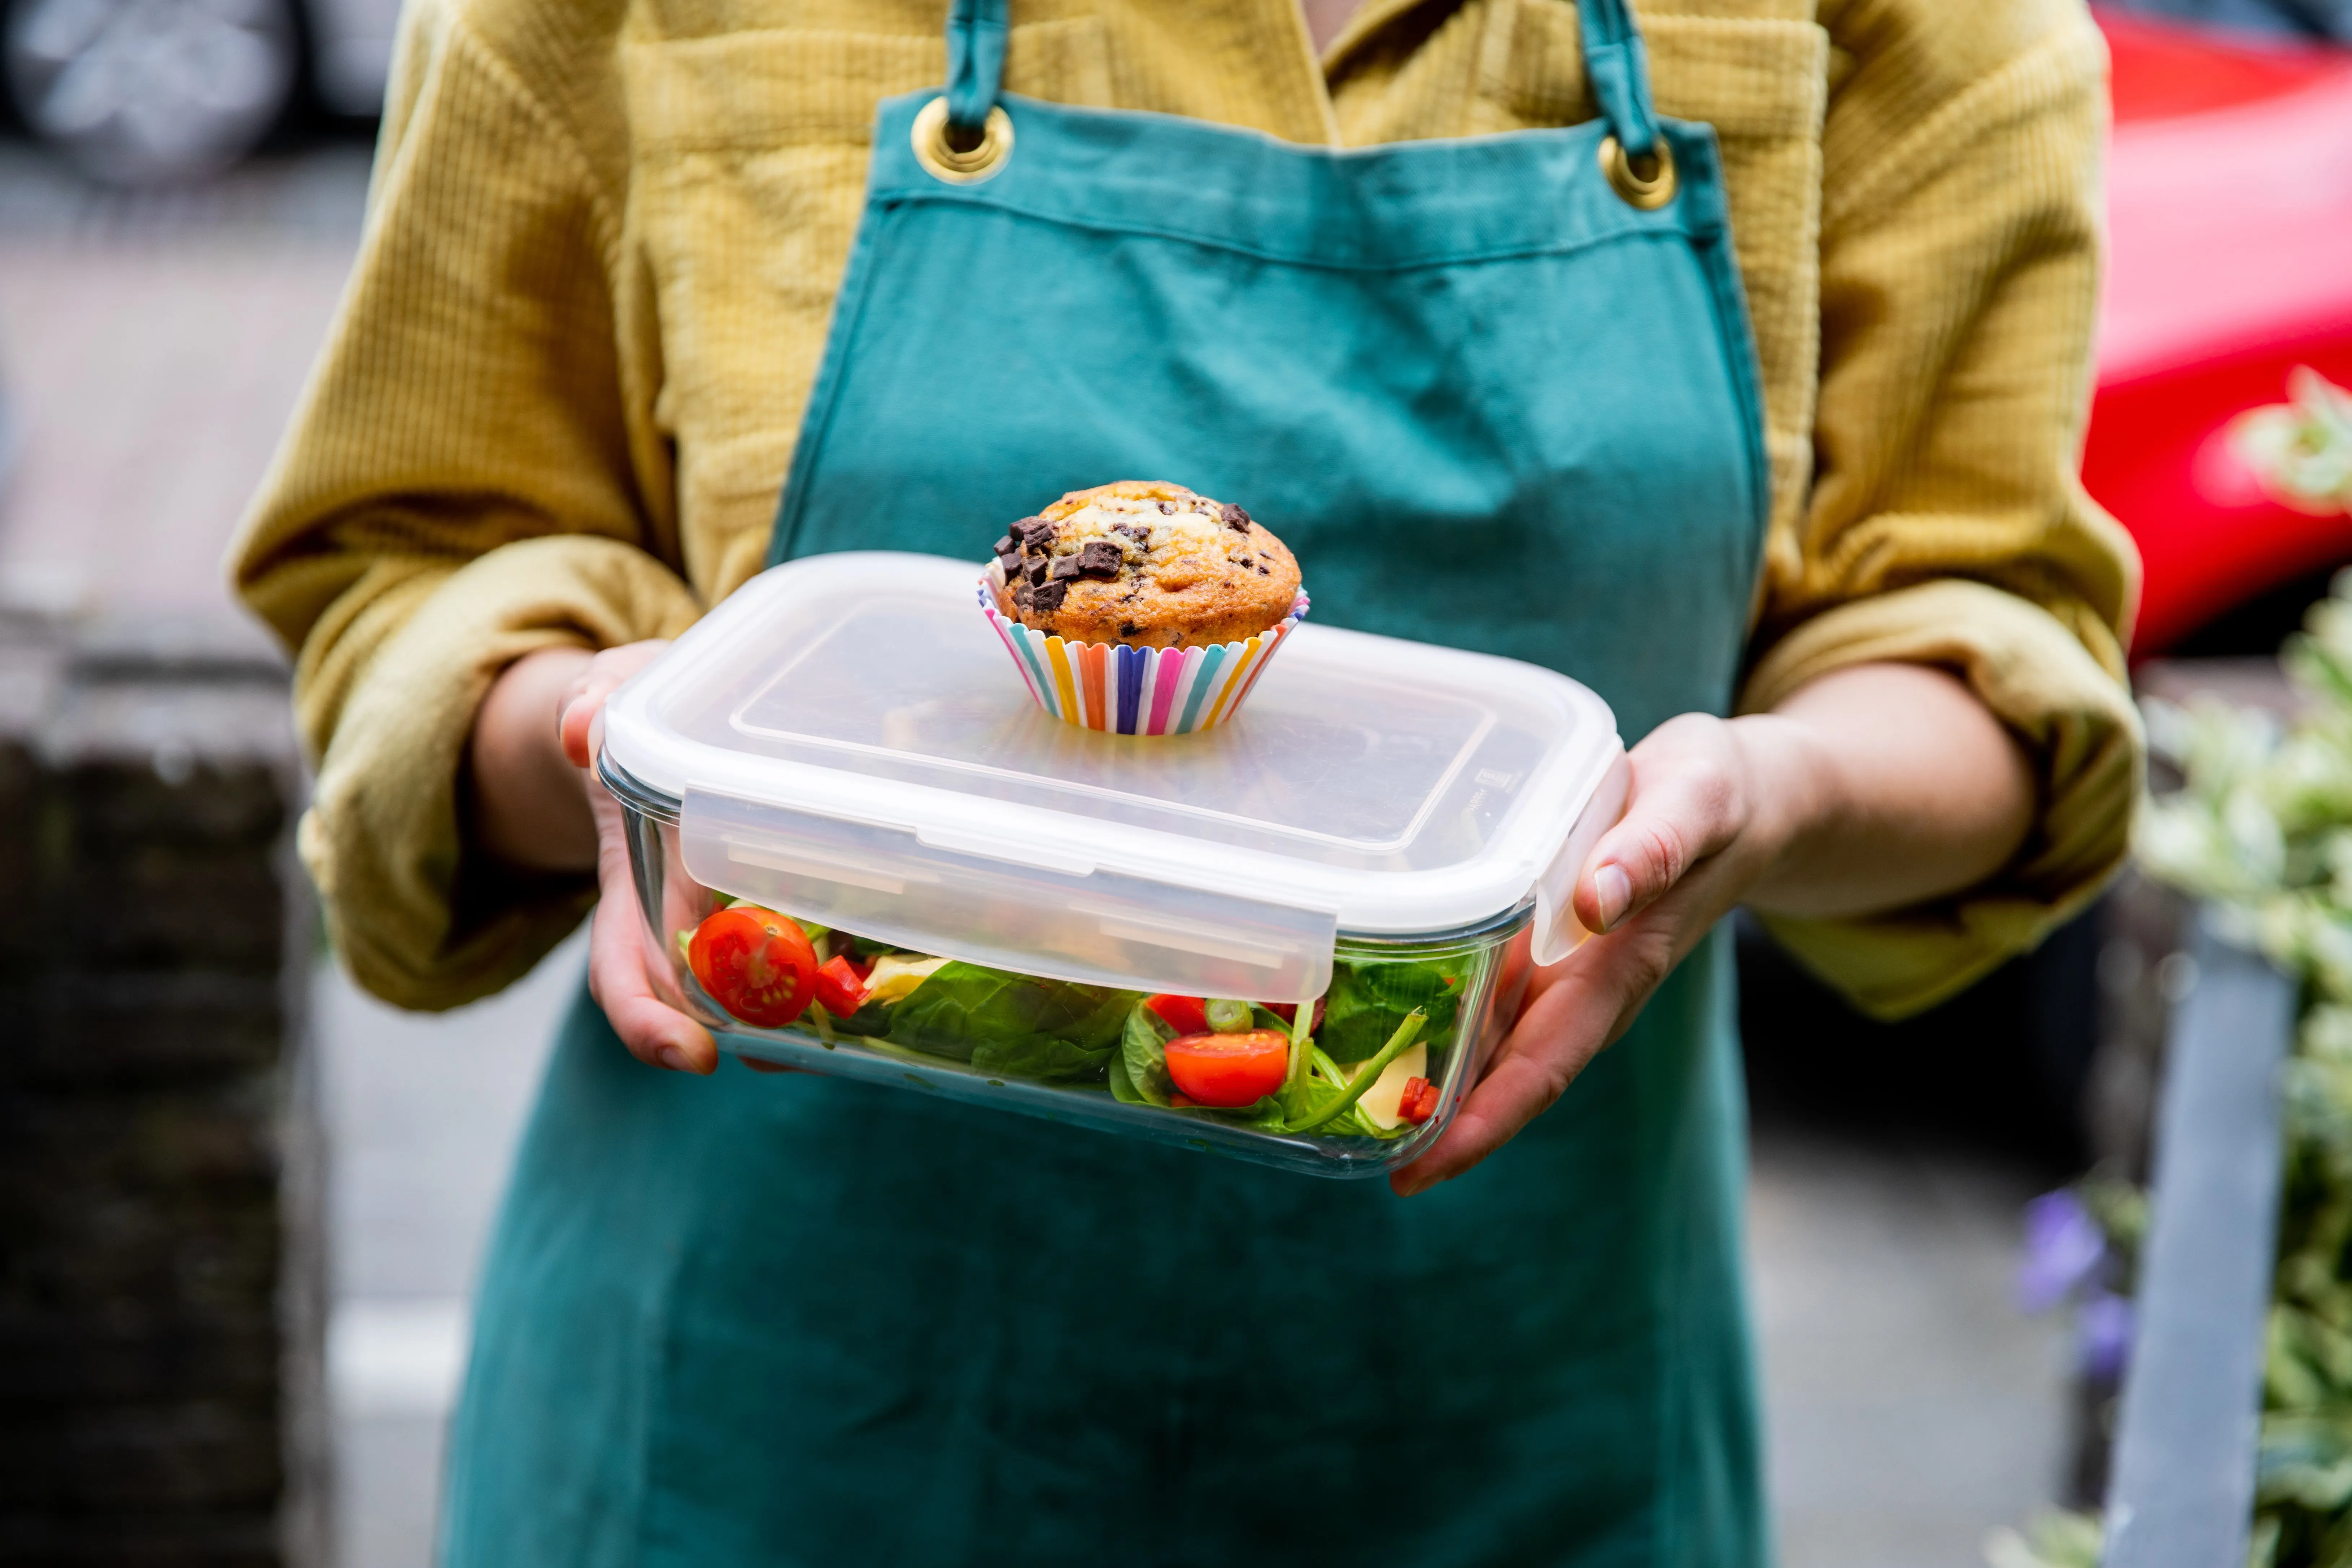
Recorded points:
(1615,892)
(671,1057)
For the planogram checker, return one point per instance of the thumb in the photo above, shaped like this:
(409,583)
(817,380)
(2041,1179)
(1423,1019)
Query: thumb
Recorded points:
(576,726)
(1684,812)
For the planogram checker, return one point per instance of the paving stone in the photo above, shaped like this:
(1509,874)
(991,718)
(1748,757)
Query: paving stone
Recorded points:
(1910,1407)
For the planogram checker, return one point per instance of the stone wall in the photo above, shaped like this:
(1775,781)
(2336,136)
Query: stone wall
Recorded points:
(161,1288)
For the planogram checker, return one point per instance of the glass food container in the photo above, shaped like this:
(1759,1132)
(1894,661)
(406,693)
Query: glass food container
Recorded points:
(1113,930)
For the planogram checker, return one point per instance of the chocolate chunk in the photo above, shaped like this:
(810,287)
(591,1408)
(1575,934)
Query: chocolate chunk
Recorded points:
(1128,629)
(1044,601)
(1064,568)
(1035,532)
(1037,569)
(1139,532)
(1099,558)
(1020,597)
(1263,573)
(1235,518)
(1168,507)
(1011,562)
(1008,545)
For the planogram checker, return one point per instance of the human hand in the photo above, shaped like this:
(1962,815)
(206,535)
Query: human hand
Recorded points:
(1871,788)
(1695,836)
(619,977)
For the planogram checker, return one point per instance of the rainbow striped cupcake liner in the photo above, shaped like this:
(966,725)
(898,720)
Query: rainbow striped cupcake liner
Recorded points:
(1135,691)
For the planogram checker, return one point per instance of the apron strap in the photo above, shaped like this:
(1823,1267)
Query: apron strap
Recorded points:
(1615,62)
(976,61)
(1619,70)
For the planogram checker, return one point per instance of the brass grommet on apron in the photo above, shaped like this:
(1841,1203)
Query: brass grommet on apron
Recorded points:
(937,156)
(1647,188)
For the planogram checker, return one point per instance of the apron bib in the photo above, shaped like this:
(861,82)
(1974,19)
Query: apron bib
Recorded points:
(1498,392)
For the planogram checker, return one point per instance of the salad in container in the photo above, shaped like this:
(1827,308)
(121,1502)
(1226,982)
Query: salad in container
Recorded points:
(862,848)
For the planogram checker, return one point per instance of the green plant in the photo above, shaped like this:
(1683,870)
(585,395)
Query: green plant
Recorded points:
(2262,832)
(2056,1538)
(2301,449)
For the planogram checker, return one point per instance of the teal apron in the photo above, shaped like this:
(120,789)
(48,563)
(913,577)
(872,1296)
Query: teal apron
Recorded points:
(1490,401)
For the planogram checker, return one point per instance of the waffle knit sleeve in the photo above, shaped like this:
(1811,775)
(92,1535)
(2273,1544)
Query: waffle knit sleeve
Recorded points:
(1946,524)
(465,482)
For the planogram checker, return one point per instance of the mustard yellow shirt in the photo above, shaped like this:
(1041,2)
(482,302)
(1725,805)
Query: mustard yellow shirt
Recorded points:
(603,240)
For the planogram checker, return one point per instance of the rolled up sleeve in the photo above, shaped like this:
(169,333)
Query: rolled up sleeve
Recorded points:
(465,482)
(1946,523)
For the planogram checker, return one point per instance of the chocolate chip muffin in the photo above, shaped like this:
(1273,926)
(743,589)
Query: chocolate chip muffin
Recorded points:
(1147,563)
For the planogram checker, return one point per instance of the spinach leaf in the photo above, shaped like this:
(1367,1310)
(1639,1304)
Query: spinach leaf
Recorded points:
(871,1020)
(1122,1087)
(1142,1056)
(1015,1025)
(1368,1001)
(1264,1116)
(1044,1057)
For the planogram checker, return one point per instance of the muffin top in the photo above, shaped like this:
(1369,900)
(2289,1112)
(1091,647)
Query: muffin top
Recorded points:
(1148,564)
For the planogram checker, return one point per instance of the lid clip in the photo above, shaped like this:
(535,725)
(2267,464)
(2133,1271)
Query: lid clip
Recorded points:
(1004,906)
(1558,932)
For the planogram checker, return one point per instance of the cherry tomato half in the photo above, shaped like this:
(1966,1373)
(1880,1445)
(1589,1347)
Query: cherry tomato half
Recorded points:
(1185,1014)
(756,964)
(1229,1070)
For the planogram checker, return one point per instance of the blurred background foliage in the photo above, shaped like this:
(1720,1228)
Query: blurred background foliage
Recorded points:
(2261,829)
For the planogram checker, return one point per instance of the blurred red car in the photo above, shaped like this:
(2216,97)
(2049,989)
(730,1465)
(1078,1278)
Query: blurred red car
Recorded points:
(2229,212)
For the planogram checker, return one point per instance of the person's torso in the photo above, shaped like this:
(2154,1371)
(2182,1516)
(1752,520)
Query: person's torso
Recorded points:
(839,1323)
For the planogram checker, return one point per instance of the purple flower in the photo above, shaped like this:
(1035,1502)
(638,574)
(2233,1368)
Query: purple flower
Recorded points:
(2103,1335)
(2063,1250)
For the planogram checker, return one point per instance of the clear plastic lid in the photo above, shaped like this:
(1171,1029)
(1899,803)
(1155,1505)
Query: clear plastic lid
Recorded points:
(848,742)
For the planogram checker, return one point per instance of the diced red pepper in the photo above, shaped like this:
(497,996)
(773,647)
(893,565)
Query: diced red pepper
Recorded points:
(1289,1013)
(840,988)
(1185,1014)
(1419,1101)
